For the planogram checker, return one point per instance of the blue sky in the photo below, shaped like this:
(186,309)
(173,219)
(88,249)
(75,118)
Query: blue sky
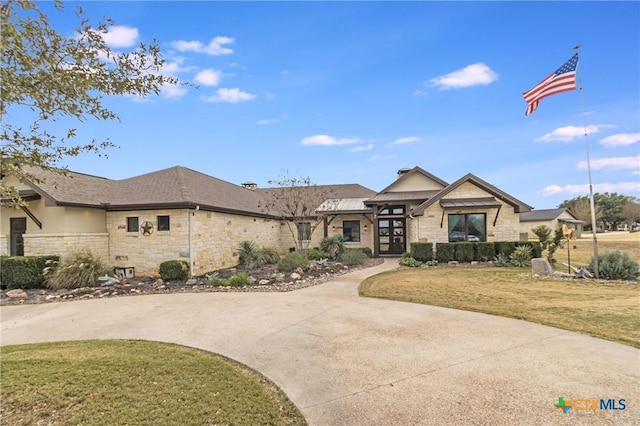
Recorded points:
(349,92)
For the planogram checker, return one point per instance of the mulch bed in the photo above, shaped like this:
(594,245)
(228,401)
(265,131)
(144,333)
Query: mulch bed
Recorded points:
(267,279)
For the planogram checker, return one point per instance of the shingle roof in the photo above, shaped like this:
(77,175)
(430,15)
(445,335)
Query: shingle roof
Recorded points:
(175,187)
(518,205)
(544,214)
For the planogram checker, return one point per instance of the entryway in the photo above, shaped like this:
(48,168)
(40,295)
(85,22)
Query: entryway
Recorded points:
(391,236)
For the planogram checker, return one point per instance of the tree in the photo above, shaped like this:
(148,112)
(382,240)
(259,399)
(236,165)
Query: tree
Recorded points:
(611,205)
(580,207)
(631,211)
(51,77)
(295,201)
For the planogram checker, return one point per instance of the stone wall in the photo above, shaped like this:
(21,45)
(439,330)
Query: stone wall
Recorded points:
(67,243)
(507,226)
(366,235)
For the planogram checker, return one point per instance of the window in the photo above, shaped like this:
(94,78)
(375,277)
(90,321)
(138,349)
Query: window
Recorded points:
(304,231)
(392,210)
(163,223)
(351,231)
(468,227)
(132,224)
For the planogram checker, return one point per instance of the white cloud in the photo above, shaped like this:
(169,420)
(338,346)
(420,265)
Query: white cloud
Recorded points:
(173,90)
(569,133)
(408,139)
(622,187)
(215,47)
(234,96)
(208,77)
(120,36)
(327,140)
(614,163)
(471,75)
(381,157)
(361,148)
(621,139)
(268,121)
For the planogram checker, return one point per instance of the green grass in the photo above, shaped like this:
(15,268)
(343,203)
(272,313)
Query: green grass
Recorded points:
(608,310)
(134,382)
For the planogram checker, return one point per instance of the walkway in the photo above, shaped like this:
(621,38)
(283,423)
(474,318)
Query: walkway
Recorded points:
(347,360)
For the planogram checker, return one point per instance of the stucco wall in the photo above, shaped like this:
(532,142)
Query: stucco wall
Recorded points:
(415,182)
(507,226)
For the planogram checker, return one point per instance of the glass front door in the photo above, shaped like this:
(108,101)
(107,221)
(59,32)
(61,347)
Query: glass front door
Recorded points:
(391,236)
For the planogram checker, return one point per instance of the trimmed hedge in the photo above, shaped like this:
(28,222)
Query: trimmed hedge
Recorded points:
(174,270)
(24,271)
(485,251)
(464,252)
(422,251)
(445,252)
(505,247)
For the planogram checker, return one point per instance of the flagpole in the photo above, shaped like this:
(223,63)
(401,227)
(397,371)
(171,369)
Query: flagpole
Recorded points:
(591,201)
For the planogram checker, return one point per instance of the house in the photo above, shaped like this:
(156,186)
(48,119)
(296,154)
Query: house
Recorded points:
(420,207)
(553,218)
(179,213)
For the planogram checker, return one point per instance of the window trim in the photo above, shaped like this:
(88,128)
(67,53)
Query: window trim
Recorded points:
(307,226)
(161,229)
(465,226)
(137,227)
(357,226)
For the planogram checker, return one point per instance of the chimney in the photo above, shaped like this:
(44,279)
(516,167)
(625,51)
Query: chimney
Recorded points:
(249,185)
(403,171)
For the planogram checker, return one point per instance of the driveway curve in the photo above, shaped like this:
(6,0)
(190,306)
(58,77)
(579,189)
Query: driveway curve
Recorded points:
(347,360)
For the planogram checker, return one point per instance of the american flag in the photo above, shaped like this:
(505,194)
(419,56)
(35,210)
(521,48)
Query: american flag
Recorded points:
(562,80)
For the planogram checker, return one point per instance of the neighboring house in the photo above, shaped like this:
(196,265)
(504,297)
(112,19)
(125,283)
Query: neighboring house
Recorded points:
(178,213)
(553,218)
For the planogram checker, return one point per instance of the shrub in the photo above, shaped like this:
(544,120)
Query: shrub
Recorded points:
(270,255)
(536,247)
(485,251)
(422,251)
(445,252)
(174,270)
(464,252)
(366,250)
(214,279)
(238,280)
(431,263)
(250,256)
(353,256)
(317,254)
(409,261)
(504,247)
(521,256)
(615,265)
(79,269)
(292,261)
(501,260)
(24,271)
(334,245)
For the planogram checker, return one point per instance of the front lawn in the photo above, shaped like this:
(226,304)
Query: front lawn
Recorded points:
(610,310)
(134,382)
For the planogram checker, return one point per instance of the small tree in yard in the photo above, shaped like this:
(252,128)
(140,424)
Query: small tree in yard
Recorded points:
(295,200)
(47,77)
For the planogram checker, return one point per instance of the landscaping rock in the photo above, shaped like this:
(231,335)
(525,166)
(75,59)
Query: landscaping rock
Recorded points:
(541,266)
(16,293)
(295,276)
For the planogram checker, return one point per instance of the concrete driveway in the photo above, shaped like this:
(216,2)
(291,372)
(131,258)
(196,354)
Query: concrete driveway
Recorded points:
(346,360)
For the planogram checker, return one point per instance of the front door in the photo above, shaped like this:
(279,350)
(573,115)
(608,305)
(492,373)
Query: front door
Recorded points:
(18,227)
(391,236)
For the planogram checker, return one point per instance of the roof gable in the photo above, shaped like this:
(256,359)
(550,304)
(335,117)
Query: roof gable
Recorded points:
(518,205)
(416,179)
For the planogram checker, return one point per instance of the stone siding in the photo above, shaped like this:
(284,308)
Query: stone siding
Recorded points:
(507,226)
(65,244)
